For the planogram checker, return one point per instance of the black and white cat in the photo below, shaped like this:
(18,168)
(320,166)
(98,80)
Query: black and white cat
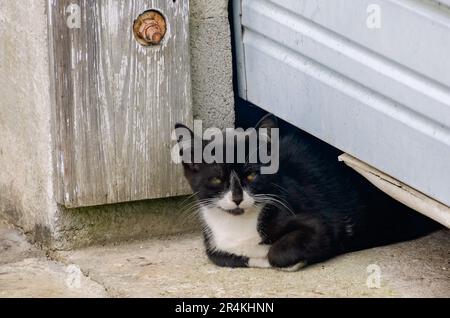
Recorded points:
(314,208)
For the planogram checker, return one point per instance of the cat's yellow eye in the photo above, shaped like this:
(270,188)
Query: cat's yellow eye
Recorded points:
(216,181)
(251,177)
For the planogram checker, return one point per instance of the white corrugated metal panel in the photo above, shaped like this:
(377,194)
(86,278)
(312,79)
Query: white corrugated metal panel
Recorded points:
(413,33)
(382,95)
(444,2)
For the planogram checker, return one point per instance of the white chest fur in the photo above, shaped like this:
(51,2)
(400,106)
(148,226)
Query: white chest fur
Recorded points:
(237,235)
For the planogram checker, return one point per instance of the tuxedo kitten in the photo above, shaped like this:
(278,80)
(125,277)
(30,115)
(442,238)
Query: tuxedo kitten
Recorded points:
(312,209)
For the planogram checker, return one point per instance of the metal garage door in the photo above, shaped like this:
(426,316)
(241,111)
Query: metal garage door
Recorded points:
(369,77)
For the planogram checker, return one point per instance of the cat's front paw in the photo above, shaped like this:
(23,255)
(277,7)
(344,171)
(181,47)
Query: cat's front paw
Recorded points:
(259,263)
(287,260)
(294,268)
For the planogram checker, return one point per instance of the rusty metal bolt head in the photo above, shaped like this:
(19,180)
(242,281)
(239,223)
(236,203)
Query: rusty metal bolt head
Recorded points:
(149,28)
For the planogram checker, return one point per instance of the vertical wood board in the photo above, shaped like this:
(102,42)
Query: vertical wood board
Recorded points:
(116,102)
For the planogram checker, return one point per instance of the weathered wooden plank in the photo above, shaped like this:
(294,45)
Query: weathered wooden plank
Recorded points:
(116,101)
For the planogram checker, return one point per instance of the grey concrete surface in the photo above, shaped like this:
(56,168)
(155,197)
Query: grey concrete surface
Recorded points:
(25,271)
(26,139)
(177,267)
(14,247)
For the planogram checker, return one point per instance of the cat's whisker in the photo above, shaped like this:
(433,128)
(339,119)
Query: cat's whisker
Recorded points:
(198,202)
(280,187)
(192,209)
(187,215)
(189,205)
(188,198)
(205,203)
(274,200)
(192,206)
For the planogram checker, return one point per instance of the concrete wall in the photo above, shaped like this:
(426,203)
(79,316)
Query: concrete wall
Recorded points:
(26,141)
(212,73)
(26,175)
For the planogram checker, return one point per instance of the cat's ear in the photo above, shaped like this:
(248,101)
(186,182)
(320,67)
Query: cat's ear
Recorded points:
(183,133)
(269,122)
(187,142)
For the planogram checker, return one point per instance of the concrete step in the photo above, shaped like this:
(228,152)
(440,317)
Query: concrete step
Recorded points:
(26,271)
(177,267)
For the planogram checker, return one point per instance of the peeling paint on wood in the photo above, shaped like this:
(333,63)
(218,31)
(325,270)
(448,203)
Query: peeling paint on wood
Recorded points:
(116,101)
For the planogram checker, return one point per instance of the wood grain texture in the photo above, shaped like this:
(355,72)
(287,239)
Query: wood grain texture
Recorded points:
(116,102)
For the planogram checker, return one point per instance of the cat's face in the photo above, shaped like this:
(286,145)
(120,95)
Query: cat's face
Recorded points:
(234,188)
